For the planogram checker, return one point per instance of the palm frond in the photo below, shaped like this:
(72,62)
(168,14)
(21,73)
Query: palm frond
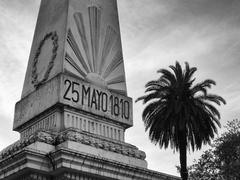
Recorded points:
(167,75)
(175,108)
(148,97)
(153,83)
(213,98)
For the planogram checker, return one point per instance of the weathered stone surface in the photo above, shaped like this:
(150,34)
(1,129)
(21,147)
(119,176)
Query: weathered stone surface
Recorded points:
(47,52)
(98,126)
(41,136)
(39,159)
(81,39)
(88,141)
(110,152)
(61,118)
(90,98)
(66,90)
(36,102)
(78,37)
(49,122)
(93,39)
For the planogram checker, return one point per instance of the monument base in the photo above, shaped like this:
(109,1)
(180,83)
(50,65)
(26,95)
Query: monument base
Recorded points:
(74,155)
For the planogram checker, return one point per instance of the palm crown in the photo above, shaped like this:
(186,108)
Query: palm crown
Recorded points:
(179,113)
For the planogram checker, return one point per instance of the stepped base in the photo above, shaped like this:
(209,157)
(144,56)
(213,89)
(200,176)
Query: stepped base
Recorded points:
(72,156)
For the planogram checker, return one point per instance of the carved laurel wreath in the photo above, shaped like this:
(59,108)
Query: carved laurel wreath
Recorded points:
(54,37)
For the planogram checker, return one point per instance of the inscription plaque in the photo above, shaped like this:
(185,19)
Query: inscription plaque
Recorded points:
(90,98)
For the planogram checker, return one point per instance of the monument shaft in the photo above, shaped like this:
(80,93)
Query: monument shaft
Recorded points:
(75,60)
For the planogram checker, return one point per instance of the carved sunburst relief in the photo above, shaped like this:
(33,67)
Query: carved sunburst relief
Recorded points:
(94,54)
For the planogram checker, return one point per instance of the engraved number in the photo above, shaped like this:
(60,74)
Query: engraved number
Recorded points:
(116,106)
(126,109)
(74,91)
(68,88)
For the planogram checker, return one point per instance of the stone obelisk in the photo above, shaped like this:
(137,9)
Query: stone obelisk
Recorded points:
(74,107)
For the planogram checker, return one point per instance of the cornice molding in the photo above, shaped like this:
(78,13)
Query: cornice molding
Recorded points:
(76,136)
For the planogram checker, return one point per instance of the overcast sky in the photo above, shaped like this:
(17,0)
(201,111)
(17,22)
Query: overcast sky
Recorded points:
(155,33)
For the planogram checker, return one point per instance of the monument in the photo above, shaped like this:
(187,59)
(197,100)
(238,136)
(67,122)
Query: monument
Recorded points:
(74,107)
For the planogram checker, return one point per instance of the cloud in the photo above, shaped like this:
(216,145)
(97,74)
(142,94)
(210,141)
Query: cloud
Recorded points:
(144,22)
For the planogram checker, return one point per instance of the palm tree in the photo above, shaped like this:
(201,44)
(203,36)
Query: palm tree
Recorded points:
(179,113)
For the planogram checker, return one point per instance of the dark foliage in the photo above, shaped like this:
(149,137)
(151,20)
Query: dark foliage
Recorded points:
(179,113)
(222,162)
(227,151)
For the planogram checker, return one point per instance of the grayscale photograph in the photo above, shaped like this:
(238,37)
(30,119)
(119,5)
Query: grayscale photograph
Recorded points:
(120,89)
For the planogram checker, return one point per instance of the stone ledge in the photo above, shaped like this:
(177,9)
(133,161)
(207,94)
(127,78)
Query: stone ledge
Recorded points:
(40,136)
(76,136)
(101,143)
(73,161)
(78,148)
(22,161)
(71,165)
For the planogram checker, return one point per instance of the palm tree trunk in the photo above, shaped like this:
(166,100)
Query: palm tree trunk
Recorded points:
(183,156)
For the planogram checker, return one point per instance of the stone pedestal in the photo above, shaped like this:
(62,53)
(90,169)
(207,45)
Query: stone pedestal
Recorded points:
(73,155)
